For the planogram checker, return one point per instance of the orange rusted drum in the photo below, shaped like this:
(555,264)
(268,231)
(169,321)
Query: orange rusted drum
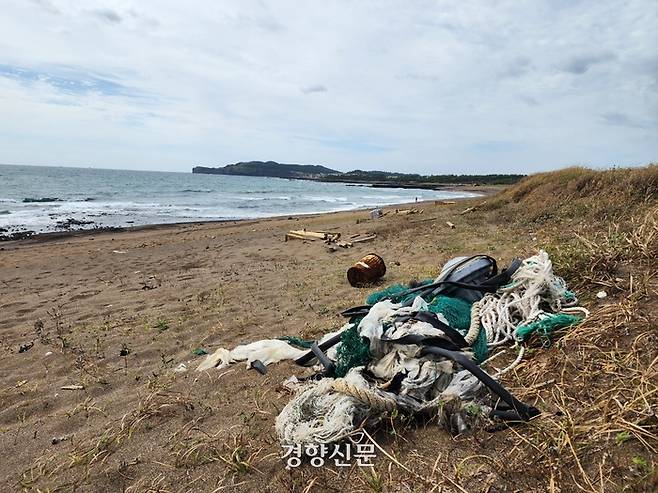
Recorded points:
(367,270)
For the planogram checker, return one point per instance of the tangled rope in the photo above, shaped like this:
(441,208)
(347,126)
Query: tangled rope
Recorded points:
(534,292)
(367,396)
(520,308)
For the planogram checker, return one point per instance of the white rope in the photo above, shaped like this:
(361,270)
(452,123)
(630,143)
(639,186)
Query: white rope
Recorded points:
(474,329)
(533,287)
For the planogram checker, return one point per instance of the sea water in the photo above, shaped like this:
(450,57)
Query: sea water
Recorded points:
(42,199)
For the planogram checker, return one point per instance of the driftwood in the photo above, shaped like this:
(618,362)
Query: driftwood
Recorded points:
(302,234)
(450,225)
(329,238)
(364,238)
(444,202)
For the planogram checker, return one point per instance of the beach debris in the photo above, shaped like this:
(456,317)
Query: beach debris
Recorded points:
(49,353)
(330,238)
(408,211)
(601,295)
(151,282)
(181,368)
(291,383)
(25,347)
(302,234)
(57,440)
(376,213)
(258,366)
(444,202)
(72,387)
(266,351)
(362,239)
(199,352)
(367,270)
(119,251)
(450,225)
(418,349)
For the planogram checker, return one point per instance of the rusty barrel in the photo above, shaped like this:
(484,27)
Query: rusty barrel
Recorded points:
(367,270)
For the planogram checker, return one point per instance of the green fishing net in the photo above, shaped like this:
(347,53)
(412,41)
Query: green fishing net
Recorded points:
(458,315)
(297,341)
(394,293)
(546,326)
(353,350)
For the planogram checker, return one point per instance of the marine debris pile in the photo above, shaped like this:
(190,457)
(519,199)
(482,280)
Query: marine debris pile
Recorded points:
(329,238)
(426,348)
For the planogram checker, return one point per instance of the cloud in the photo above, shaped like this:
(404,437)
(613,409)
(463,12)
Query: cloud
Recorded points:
(497,146)
(107,15)
(352,144)
(66,80)
(580,64)
(47,5)
(419,86)
(313,88)
(622,120)
(517,67)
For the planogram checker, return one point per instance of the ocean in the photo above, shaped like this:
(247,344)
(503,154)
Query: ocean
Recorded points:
(44,199)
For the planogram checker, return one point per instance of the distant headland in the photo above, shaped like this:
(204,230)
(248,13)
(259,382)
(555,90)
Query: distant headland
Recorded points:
(372,178)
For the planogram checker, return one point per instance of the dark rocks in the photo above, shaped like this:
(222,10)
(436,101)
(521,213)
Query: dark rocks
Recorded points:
(30,200)
(71,222)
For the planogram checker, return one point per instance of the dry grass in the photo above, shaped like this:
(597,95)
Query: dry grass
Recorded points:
(578,195)
(90,455)
(599,429)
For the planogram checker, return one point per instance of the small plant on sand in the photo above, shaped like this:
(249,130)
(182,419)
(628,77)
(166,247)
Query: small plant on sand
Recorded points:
(161,324)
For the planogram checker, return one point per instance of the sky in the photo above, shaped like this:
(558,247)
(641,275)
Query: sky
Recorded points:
(417,86)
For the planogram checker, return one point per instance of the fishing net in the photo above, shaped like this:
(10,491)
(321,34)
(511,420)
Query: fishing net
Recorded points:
(352,351)
(297,341)
(546,326)
(395,292)
(458,314)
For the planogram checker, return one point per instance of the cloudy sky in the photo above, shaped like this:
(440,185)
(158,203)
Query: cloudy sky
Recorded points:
(423,86)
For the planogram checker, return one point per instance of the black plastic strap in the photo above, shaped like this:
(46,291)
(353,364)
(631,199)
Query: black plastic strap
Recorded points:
(523,411)
(322,358)
(259,366)
(505,276)
(308,357)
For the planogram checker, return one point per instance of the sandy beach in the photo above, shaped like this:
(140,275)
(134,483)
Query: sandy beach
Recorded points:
(113,314)
(162,292)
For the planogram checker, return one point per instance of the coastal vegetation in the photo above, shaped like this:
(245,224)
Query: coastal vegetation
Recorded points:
(376,178)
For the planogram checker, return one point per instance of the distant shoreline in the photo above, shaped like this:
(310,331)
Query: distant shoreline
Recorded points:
(40,237)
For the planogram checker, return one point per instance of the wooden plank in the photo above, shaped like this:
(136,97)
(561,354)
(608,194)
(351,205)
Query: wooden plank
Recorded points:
(294,236)
(366,238)
(310,234)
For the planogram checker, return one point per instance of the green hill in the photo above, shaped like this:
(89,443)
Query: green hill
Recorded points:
(269,168)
